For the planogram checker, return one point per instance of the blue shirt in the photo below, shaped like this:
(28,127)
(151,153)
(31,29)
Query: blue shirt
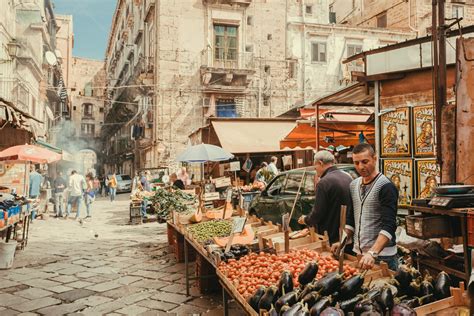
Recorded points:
(35,183)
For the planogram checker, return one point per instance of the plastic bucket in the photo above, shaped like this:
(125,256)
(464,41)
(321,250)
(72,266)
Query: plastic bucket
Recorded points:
(7,253)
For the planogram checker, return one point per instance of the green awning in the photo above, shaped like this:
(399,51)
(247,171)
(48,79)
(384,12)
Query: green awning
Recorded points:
(49,146)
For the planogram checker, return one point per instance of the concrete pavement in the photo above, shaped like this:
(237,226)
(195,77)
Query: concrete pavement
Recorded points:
(101,266)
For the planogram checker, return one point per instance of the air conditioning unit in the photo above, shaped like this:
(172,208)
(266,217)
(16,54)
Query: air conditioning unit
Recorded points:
(206,102)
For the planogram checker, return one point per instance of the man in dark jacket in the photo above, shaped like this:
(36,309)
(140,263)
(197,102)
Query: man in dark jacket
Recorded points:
(59,185)
(332,191)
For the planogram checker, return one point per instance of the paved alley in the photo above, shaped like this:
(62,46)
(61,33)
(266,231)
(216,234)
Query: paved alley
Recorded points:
(100,267)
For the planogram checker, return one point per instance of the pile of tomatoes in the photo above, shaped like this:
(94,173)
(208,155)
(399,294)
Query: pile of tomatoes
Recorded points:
(256,269)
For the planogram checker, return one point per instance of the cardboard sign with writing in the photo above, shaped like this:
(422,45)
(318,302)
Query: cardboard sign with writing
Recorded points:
(212,196)
(235,166)
(238,225)
(223,182)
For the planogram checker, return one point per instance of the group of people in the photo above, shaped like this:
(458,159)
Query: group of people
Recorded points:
(266,172)
(371,200)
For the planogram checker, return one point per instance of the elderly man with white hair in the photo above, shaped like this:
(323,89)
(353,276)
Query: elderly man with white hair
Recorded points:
(332,191)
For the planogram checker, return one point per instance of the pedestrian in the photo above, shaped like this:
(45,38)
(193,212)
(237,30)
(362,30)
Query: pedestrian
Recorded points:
(136,183)
(103,186)
(183,175)
(145,182)
(76,186)
(272,166)
(262,173)
(35,183)
(112,184)
(96,185)
(371,221)
(89,194)
(332,191)
(175,182)
(59,184)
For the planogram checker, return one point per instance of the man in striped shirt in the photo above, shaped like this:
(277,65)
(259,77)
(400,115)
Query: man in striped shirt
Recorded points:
(371,221)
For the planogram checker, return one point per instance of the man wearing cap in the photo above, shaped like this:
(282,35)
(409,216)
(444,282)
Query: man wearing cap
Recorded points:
(332,191)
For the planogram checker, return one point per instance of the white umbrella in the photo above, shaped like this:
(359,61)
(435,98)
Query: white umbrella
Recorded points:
(204,152)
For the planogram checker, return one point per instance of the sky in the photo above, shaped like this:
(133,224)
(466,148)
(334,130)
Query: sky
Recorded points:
(91,24)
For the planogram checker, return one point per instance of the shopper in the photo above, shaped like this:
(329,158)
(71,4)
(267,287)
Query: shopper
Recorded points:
(136,185)
(272,166)
(183,175)
(176,183)
(59,184)
(332,191)
(89,195)
(96,185)
(112,184)
(145,182)
(371,221)
(76,186)
(35,183)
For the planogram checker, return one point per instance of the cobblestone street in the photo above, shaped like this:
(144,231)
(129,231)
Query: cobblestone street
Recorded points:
(100,267)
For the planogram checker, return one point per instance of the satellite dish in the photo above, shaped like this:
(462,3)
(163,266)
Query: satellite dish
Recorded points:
(51,58)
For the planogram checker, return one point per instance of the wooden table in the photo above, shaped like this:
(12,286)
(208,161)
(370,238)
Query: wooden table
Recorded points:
(461,213)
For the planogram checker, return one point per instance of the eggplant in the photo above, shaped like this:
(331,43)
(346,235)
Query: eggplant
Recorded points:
(367,306)
(284,309)
(255,298)
(310,287)
(329,283)
(426,288)
(332,311)
(309,273)
(320,305)
(285,284)
(373,293)
(352,286)
(268,298)
(415,302)
(287,299)
(402,310)
(385,299)
(415,274)
(403,276)
(303,312)
(311,298)
(273,312)
(442,285)
(293,310)
(348,305)
(414,288)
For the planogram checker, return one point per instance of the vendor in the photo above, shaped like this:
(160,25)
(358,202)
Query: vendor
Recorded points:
(371,221)
(332,191)
(176,183)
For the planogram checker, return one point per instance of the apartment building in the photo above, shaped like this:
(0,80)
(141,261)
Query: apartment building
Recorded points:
(411,15)
(29,81)
(173,65)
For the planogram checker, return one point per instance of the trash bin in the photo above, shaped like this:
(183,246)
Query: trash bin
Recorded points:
(7,253)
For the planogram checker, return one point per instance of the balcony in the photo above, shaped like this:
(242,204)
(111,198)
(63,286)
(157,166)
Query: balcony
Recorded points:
(244,3)
(232,72)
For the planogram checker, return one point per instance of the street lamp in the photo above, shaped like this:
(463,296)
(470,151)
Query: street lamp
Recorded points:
(13,48)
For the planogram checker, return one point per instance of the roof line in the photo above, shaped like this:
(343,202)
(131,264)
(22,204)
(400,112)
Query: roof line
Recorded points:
(419,40)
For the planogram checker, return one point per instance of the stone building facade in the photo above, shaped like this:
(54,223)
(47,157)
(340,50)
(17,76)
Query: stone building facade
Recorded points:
(171,65)
(411,15)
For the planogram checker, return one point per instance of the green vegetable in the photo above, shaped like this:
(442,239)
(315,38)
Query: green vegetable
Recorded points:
(205,231)
(165,201)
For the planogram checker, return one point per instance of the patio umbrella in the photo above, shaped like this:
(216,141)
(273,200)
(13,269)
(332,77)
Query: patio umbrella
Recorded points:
(30,153)
(203,153)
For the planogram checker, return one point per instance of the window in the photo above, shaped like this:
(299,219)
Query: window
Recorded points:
(275,187)
(87,129)
(225,41)
(226,108)
(269,37)
(309,9)
(293,183)
(318,52)
(101,110)
(88,89)
(309,188)
(458,11)
(87,109)
(292,69)
(353,49)
(249,20)
(382,20)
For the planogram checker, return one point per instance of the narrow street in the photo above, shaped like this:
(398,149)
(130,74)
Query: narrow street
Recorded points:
(99,267)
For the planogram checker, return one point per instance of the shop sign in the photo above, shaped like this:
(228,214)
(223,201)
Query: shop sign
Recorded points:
(400,172)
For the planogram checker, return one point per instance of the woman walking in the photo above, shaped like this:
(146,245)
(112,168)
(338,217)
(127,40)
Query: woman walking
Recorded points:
(112,187)
(89,195)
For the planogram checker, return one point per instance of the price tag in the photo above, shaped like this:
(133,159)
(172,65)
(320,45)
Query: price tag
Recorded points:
(238,225)
(223,182)
(235,166)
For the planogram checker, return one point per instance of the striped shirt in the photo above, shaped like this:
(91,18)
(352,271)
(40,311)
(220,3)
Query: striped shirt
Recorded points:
(373,212)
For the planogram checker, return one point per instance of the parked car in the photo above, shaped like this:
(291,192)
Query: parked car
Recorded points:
(279,195)
(124,183)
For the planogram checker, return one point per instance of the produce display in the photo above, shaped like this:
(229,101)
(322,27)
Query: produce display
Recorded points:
(165,201)
(235,252)
(205,231)
(306,283)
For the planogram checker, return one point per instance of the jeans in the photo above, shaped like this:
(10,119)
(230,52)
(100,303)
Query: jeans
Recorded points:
(88,201)
(58,203)
(144,205)
(112,192)
(392,261)
(74,200)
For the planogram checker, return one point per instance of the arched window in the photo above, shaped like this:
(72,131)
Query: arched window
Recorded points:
(87,109)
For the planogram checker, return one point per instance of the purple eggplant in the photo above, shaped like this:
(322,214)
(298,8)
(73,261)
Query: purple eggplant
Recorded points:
(367,305)
(329,283)
(442,285)
(351,286)
(293,310)
(272,312)
(309,273)
(284,309)
(415,302)
(348,305)
(404,276)
(332,311)
(287,299)
(402,310)
(285,284)
(311,298)
(268,299)
(385,299)
(255,298)
(320,306)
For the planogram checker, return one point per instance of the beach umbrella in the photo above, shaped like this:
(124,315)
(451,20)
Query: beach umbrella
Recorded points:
(29,153)
(203,153)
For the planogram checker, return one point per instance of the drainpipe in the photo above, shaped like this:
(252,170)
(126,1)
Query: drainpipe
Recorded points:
(377,118)
(303,52)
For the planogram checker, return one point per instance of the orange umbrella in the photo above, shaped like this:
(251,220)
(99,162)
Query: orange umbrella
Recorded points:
(29,153)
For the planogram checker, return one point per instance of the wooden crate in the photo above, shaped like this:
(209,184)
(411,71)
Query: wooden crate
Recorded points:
(449,306)
(206,277)
(433,226)
(311,241)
